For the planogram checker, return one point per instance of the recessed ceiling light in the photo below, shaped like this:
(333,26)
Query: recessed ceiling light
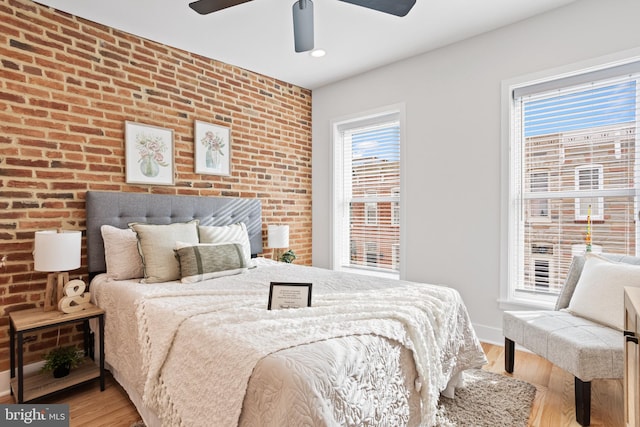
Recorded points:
(318,53)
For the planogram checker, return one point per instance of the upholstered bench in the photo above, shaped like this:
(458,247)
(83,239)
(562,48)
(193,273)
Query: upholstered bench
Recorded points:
(587,349)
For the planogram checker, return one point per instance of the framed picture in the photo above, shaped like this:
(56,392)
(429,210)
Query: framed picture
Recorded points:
(212,149)
(289,295)
(148,154)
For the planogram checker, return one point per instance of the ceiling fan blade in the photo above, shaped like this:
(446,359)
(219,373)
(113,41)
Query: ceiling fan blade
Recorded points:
(204,7)
(303,25)
(394,7)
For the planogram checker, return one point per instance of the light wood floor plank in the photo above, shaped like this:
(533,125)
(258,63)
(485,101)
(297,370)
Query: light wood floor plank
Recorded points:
(552,407)
(554,404)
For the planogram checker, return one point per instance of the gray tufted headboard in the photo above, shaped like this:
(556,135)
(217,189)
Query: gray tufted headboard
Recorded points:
(120,209)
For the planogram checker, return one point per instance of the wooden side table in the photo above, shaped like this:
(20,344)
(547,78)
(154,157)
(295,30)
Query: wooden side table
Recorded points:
(631,356)
(37,385)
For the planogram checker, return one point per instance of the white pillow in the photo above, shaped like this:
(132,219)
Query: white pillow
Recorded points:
(156,244)
(599,294)
(234,233)
(121,253)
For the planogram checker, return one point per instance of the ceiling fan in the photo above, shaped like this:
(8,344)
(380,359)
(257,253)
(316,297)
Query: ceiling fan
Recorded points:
(303,14)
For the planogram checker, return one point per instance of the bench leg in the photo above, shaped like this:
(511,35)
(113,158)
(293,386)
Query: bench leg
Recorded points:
(509,355)
(583,401)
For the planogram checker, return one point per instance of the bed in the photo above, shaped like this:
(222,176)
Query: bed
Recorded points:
(202,349)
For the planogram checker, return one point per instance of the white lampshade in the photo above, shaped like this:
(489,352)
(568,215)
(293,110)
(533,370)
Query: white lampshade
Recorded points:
(278,236)
(55,251)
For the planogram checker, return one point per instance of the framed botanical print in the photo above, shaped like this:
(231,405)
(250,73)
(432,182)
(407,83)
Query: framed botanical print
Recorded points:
(148,154)
(212,149)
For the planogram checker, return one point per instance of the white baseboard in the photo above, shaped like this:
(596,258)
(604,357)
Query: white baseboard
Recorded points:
(494,336)
(489,334)
(5,376)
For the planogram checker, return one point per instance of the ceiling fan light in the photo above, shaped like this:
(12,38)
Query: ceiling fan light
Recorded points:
(303,25)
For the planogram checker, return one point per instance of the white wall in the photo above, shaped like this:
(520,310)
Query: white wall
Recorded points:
(453,126)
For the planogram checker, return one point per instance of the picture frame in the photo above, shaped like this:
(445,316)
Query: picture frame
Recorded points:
(212,149)
(285,295)
(148,154)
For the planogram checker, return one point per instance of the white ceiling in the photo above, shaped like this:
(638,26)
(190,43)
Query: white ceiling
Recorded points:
(258,35)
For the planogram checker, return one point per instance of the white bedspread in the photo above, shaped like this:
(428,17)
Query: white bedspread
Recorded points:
(199,345)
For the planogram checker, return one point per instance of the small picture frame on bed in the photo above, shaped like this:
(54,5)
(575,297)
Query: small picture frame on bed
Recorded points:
(289,295)
(212,149)
(148,154)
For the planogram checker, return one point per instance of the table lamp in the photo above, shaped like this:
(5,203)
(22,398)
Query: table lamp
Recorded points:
(278,238)
(57,253)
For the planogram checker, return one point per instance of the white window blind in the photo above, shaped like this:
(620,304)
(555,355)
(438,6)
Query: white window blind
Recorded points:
(574,164)
(370,181)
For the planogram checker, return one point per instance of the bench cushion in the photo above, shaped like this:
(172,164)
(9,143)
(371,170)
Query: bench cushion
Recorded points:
(586,349)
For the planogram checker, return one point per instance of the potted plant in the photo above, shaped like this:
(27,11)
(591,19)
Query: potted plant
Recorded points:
(60,360)
(288,256)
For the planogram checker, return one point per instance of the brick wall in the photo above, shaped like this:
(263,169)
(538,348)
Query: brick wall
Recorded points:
(67,86)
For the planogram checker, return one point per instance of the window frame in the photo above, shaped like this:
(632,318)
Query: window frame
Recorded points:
(508,299)
(340,221)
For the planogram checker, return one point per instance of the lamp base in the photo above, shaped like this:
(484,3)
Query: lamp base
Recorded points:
(54,290)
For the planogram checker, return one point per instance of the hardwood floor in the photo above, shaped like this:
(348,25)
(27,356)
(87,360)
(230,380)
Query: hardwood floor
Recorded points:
(553,405)
(89,407)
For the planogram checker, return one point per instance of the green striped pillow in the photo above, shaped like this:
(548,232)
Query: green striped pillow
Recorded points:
(207,261)
(233,233)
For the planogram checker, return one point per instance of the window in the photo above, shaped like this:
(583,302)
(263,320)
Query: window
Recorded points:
(395,207)
(589,178)
(366,217)
(396,255)
(370,209)
(572,160)
(539,207)
(541,273)
(371,253)
(541,259)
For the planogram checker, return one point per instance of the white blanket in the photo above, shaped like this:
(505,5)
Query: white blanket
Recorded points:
(200,344)
(420,318)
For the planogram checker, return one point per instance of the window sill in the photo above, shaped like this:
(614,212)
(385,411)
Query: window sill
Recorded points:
(512,304)
(371,272)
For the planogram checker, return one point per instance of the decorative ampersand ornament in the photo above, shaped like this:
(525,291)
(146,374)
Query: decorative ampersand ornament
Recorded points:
(75,299)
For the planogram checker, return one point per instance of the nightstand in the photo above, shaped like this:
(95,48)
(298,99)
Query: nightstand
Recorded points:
(37,385)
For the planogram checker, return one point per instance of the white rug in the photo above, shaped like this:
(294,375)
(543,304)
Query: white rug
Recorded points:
(488,400)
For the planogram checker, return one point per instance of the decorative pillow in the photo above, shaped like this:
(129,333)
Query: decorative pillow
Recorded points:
(209,260)
(599,294)
(234,233)
(121,253)
(156,244)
